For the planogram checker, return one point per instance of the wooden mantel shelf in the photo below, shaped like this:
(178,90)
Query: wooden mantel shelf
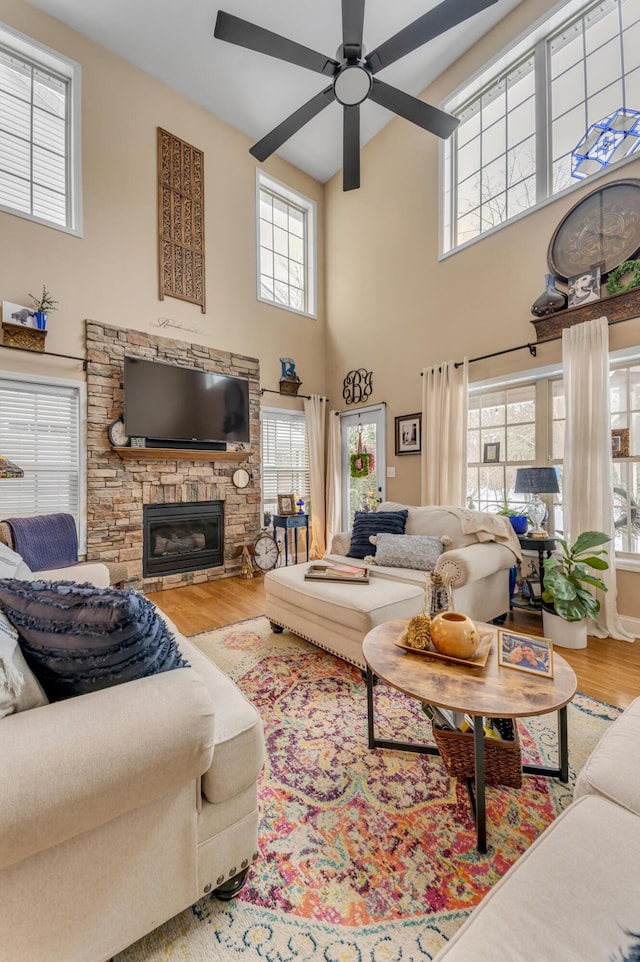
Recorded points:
(616,307)
(178,454)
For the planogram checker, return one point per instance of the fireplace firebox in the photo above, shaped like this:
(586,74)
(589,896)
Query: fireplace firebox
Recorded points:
(182,537)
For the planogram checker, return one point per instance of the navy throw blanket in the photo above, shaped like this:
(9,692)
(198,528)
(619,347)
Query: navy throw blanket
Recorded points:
(45,541)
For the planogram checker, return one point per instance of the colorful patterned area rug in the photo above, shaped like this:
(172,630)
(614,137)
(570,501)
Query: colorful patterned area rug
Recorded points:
(365,856)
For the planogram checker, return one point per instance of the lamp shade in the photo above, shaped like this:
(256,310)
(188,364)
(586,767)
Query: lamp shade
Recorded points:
(536,481)
(9,470)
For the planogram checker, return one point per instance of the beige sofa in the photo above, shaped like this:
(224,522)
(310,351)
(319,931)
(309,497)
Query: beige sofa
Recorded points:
(574,895)
(120,808)
(336,617)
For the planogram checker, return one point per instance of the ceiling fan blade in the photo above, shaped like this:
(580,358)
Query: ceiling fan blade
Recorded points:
(447,14)
(277,137)
(351,148)
(424,115)
(352,27)
(245,34)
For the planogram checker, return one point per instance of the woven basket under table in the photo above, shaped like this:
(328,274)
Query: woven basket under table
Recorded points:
(502,759)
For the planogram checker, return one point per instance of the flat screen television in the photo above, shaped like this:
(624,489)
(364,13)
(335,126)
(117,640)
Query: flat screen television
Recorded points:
(164,402)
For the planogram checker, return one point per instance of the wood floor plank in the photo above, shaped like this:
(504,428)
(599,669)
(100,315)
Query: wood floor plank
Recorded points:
(608,670)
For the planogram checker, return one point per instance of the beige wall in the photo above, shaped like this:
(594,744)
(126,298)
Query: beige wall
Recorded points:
(111,273)
(393,307)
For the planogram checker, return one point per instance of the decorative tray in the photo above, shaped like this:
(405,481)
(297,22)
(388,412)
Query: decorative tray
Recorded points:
(477,660)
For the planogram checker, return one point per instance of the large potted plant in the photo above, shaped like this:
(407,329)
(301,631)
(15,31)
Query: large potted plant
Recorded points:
(567,603)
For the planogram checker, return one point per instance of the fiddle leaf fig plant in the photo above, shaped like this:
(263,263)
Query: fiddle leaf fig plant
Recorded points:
(565,578)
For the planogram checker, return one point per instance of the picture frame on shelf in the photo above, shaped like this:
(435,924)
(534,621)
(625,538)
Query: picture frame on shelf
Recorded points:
(525,653)
(620,442)
(491,452)
(585,287)
(286,504)
(18,314)
(408,434)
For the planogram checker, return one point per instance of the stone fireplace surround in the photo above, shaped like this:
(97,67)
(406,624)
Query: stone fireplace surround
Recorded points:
(117,489)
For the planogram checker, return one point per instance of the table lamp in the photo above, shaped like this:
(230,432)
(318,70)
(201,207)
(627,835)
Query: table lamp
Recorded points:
(536,481)
(9,470)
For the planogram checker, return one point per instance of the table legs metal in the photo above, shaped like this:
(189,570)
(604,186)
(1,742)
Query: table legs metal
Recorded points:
(476,786)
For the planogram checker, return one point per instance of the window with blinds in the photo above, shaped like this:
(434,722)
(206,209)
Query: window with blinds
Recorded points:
(40,431)
(38,136)
(285,459)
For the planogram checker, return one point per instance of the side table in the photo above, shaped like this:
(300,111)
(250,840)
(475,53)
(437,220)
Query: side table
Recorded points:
(544,547)
(289,522)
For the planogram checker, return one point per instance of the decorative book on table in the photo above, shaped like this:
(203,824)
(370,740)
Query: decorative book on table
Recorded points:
(337,572)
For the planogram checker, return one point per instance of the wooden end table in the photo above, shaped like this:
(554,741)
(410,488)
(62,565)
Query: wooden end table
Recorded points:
(291,522)
(493,691)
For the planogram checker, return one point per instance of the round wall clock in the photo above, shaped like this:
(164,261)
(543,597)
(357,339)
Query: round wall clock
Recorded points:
(241,478)
(117,434)
(603,229)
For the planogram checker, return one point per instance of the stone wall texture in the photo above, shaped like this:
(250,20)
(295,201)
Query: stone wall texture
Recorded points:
(117,489)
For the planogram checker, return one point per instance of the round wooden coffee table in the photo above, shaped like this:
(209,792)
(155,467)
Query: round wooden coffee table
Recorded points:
(493,691)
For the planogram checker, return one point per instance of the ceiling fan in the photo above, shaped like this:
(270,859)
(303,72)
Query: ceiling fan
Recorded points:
(352,75)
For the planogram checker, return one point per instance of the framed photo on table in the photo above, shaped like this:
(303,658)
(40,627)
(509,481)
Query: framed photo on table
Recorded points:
(525,653)
(491,452)
(286,504)
(409,434)
(620,442)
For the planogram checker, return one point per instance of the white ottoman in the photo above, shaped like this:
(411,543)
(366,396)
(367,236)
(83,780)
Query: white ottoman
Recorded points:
(335,616)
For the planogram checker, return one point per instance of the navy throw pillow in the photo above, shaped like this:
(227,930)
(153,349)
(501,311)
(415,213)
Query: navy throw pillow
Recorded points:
(77,638)
(367,523)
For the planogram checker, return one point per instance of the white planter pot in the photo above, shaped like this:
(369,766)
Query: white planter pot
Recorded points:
(564,634)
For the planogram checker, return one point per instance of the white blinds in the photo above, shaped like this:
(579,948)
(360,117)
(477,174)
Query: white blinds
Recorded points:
(39,430)
(34,139)
(285,461)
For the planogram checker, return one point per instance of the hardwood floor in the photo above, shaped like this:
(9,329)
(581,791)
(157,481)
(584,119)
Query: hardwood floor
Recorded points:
(606,669)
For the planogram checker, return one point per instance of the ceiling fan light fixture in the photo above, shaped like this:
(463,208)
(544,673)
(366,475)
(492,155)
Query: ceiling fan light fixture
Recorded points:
(352,84)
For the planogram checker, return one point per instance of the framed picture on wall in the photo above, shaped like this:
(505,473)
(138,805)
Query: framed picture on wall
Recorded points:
(491,453)
(409,434)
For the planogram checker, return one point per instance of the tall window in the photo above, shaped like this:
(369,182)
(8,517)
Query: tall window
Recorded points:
(520,125)
(285,459)
(514,427)
(624,388)
(286,247)
(40,431)
(39,132)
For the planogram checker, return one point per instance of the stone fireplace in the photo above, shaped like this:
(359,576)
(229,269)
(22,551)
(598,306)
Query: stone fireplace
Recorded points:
(126,485)
(182,537)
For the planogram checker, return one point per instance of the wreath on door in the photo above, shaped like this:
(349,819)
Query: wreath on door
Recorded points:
(361,460)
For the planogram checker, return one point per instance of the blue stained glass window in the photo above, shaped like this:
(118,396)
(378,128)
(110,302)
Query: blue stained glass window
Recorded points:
(606,142)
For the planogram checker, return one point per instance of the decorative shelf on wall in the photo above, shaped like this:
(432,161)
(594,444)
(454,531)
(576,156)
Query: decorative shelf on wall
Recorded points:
(616,307)
(177,454)
(24,338)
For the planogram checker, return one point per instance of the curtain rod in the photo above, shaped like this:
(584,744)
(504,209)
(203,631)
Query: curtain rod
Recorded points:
(532,348)
(270,390)
(68,357)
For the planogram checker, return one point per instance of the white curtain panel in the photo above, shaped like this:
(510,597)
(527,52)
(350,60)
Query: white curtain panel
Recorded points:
(334,479)
(587,476)
(315,408)
(444,434)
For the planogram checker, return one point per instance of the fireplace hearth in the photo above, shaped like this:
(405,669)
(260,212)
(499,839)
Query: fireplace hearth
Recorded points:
(182,537)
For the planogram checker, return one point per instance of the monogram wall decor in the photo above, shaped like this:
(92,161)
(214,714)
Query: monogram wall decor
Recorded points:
(181,219)
(357,386)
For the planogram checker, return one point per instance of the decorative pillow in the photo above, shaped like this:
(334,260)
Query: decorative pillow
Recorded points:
(367,523)
(78,638)
(418,551)
(19,688)
(11,564)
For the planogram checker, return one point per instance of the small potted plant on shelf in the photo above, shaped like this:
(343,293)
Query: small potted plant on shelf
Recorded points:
(44,305)
(567,602)
(517,516)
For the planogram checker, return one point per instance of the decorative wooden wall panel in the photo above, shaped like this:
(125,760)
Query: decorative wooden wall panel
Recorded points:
(181,219)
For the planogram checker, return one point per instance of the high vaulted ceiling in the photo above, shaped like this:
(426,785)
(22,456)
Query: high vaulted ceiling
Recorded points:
(174,42)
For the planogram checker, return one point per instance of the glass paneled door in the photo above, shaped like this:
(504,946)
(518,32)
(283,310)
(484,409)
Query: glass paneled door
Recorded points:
(364,479)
